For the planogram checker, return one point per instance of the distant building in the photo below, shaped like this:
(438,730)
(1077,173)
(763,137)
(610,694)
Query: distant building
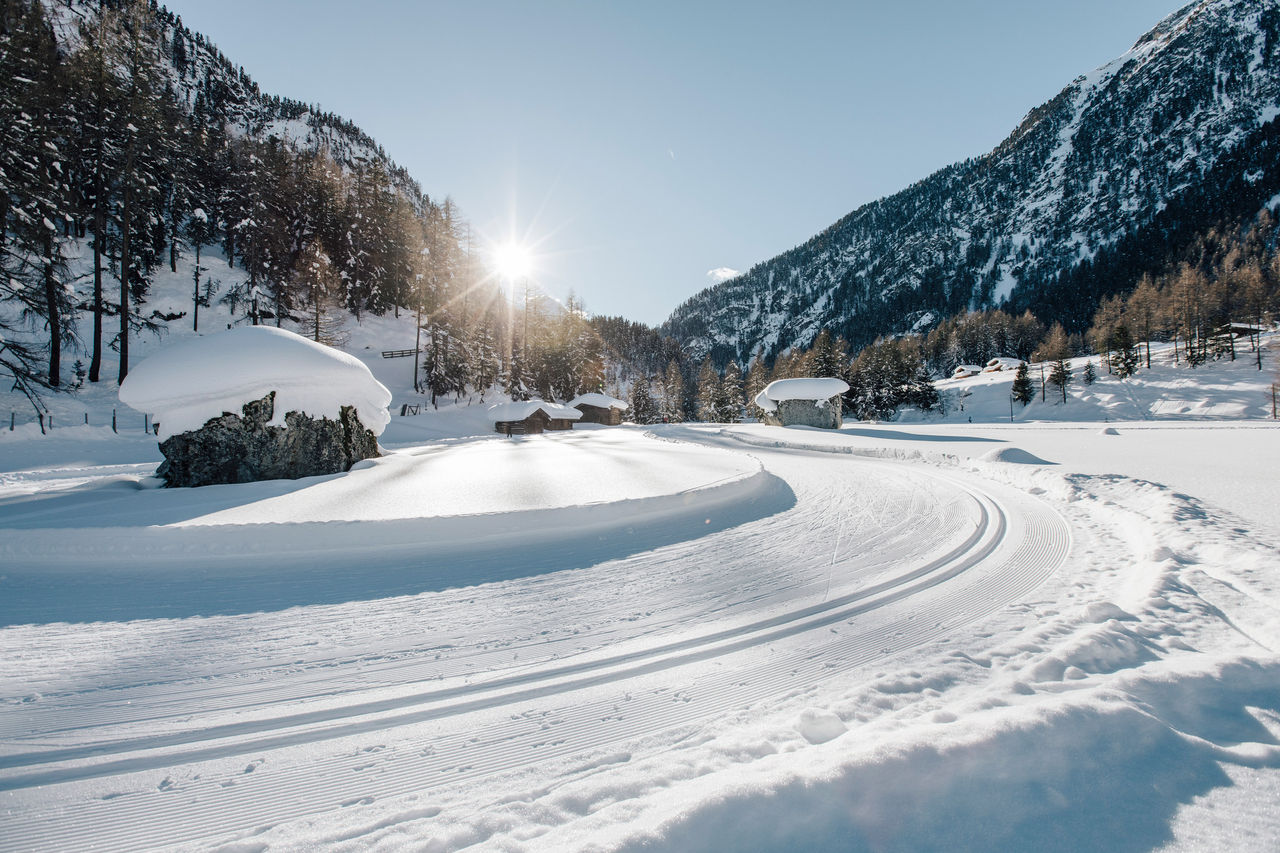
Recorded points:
(599,408)
(531,417)
(963,370)
(814,402)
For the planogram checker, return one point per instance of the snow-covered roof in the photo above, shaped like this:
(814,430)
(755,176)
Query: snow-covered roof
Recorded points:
(518,411)
(198,378)
(809,388)
(763,402)
(602,401)
(967,370)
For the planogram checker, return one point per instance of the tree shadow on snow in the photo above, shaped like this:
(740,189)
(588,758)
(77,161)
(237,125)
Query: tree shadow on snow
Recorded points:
(903,435)
(181,572)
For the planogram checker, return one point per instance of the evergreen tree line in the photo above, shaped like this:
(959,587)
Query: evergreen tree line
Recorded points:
(557,352)
(1224,287)
(107,149)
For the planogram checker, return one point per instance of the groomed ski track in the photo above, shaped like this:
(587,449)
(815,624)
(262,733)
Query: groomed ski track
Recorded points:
(260,719)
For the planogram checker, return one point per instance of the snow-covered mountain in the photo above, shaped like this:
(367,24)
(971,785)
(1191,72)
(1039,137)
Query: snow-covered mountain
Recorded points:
(1176,132)
(215,91)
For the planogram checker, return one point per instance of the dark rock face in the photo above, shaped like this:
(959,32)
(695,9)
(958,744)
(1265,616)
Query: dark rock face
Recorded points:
(825,414)
(236,449)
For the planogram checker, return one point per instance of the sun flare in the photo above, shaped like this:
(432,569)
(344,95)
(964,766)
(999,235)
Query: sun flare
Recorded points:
(512,261)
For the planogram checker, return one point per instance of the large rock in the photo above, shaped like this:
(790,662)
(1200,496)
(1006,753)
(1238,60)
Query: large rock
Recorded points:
(825,414)
(245,448)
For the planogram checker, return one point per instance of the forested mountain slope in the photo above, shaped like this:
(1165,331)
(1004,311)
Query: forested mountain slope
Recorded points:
(131,144)
(1172,137)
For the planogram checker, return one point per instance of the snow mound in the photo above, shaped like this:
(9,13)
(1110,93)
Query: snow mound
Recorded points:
(521,410)
(809,388)
(1014,455)
(1105,611)
(603,401)
(819,726)
(1109,431)
(199,378)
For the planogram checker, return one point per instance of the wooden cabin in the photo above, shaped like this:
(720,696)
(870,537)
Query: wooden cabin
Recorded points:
(599,408)
(531,417)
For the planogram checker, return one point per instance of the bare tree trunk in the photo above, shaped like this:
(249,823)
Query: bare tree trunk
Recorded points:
(55,316)
(125,261)
(195,301)
(99,234)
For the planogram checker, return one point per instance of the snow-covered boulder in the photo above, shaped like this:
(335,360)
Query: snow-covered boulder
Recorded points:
(810,401)
(257,403)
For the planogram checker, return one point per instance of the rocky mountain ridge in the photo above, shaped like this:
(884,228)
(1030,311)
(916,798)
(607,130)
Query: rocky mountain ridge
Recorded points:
(1093,167)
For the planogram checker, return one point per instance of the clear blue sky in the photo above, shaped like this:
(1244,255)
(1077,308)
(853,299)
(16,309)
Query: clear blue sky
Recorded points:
(640,145)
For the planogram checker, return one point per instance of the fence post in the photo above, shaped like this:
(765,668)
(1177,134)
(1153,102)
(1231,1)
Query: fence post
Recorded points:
(86,418)
(11,419)
(113,421)
(40,415)
(146,423)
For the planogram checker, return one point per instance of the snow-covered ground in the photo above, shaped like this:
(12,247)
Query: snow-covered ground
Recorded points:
(1056,634)
(960,632)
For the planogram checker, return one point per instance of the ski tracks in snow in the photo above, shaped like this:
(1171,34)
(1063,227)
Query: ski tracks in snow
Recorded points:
(196,730)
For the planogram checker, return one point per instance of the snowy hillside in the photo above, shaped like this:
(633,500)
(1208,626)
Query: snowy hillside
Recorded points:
(1217,390)
(1181,123)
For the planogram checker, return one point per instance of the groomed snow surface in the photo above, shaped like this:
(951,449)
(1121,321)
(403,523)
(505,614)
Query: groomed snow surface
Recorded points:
(1048,635)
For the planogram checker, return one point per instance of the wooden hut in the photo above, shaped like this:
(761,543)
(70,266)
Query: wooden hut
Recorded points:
(814,402)
(599,408)
(531,417)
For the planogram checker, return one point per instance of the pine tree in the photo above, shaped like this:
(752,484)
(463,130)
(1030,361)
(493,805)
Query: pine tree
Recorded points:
(1060,376)
(673,394)
(1124,359)
(827,357)
(98,110)
(644,410)
(1090,374)
(708,392)
(34,168)
(757,379)
(728,396)
(921,392)
(1023,391)
(316,273)
(144,167)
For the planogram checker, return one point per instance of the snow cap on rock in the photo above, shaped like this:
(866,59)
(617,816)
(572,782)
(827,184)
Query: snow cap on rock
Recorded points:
(810,388)
(199,378)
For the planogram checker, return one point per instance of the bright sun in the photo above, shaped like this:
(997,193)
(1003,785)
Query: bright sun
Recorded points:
(512,261)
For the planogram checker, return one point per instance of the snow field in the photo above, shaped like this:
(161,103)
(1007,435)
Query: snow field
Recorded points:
(983,636)
(723,670)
